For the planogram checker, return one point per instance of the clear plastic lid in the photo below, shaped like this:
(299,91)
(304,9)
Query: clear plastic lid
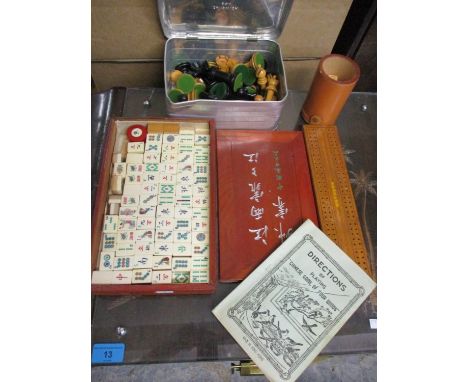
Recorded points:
(228,19)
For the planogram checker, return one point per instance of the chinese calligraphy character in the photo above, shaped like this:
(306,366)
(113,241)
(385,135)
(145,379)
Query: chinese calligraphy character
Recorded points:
(257,213)
(256,189)
(251,157)
(282,210)
(261,234)
(283,235)
(254,171)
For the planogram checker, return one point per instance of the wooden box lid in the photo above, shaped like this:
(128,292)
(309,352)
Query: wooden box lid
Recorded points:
(265,193)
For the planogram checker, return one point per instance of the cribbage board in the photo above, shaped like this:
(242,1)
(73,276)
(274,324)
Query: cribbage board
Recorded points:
(154,223)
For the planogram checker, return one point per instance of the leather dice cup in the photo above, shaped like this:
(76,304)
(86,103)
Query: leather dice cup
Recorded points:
(334,81)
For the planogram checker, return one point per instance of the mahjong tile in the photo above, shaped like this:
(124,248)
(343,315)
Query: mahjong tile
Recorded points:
(127,223)
(202,213)
(185,178)
(200,224)
(162,262)
(182,249)
(121,277)
(106,261)
(199,276)
(134,158)
(166,189)
(135,168)
(149,199)
(144,235)
(184,200)
(200,262)
(142,261)
(170,139)
(151,178)
(135,147)
(185,168)
(109,241)
(162,277)
(128,211)
(122,262)
(152,168)
(146,211)
(181,212)
(154,138)
(200,249)
(183,189)
(169,157)
(171,168)
(125,248)
(132,188)
(182,224)
(201,158)
(119,168)
(144,222)
(182,237)
(186,139)
(163,248)
(144,248)
(142,276)
(126,236)
(165,223)
(201,179)
(181,277)
(186,148)
(167,178)
(152,147)
(131,179)
(200,237)
(181,264)
(130,200)
(185,158)
(201,170)
(111,223)
(202,139)
(166,200)
(151,157)
(170,148)
(200,201)
(164,236)
(201,190)
(165,211)
(101,277)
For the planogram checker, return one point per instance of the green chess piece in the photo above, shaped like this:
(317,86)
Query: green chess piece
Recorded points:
(174,94)
(219,90)
(185,83)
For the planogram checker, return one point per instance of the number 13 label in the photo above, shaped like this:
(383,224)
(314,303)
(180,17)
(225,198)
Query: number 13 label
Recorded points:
(108,353)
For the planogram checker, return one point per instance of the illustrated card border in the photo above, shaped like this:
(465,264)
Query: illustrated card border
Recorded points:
(270,275)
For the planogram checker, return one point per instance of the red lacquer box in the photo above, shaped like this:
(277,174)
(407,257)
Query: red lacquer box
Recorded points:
(265,193)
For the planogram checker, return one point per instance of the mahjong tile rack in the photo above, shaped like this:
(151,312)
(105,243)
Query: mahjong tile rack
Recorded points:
(154,228)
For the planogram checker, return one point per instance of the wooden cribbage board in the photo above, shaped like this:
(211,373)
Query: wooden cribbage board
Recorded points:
(336,206)
(156,220)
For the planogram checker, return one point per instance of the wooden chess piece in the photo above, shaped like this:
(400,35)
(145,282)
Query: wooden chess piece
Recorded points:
(272,87)
(222,63)
(174,76)
(261,77)
(231,63)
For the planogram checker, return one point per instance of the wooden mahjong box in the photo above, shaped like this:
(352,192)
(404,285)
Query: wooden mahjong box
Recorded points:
(154,226)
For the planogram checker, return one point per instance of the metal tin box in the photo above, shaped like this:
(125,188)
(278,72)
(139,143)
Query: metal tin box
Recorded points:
(201,30)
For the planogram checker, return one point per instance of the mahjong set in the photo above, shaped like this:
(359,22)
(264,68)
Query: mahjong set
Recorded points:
(154,221)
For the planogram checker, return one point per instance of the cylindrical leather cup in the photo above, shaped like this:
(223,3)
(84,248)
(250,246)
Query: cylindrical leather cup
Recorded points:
(334,80)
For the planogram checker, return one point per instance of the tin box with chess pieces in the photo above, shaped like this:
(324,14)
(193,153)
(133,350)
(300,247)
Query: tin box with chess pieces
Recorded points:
(230,37)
